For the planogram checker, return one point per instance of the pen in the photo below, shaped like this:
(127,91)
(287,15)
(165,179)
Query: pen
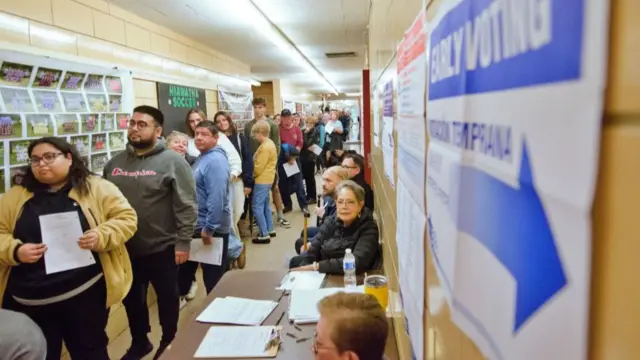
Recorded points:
(280,318)
(302,339)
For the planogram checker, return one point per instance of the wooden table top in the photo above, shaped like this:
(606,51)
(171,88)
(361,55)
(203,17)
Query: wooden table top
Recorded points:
(258,285)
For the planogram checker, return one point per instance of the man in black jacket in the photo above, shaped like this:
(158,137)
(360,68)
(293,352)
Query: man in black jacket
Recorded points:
(354,163)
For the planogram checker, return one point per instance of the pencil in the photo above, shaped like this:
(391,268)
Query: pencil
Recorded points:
(280,318)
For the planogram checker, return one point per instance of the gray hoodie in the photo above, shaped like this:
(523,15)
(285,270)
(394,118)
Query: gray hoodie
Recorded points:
(160,187)
(20,337)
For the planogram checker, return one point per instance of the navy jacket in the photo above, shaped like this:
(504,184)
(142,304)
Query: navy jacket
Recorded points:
(242,145)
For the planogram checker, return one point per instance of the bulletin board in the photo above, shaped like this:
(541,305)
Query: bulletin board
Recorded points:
(237,104)
(89,106)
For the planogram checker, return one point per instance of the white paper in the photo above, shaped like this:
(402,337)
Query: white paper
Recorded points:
(388,141)
(207,254)
(412,68)
(237,311)
(512,169)
(303,305)
(235,341)
(410,242)
(316,149)
(302,280)
(329,127)
(291,169)
(61,232)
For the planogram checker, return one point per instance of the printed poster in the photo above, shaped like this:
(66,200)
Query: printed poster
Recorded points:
(16,100)
(81,143)
(67,124)
(388,141)
(98,142)
(97,102)
(47,101)
(12,74)
(93,84)
(10,126)
(114,85)
(89,122)
(39,125)
(117,140)
(106,122)
(72,81)
(514,131)
(19,152)
(74,102)
(122,121)
(98,162)
(46,78)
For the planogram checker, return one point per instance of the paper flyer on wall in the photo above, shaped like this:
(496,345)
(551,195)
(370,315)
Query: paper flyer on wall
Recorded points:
(388,141)
(49,97)
(514,131)
(412,63)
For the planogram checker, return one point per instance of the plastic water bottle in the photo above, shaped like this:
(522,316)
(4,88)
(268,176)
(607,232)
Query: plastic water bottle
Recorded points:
(349,267)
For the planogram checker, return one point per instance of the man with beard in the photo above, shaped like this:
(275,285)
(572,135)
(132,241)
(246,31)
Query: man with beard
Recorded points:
(160,186)
(330,179)
(354,163)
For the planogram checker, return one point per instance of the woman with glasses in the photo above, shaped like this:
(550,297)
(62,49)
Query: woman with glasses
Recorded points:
(352,227)
(70,305)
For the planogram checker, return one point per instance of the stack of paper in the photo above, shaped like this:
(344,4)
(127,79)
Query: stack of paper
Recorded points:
(237,342)
(308,280)
(237,311)
(303,307)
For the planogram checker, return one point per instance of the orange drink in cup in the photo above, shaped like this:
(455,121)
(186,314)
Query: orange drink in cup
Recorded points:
(378,286)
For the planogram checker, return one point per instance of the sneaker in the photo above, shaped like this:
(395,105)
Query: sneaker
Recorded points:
(262,240)
(137,351)
(284,223)
(272,233)
(183,302)
(192,291)
(161,349)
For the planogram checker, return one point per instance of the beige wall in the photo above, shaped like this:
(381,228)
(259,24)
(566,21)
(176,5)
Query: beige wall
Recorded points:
(615,296)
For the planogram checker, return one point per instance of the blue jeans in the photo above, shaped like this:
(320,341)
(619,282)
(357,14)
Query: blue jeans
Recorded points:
(261,208)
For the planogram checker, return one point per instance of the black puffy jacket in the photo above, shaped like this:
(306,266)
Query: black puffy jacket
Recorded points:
(329,246)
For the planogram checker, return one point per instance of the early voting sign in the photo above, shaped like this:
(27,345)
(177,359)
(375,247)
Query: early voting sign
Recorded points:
(514,106)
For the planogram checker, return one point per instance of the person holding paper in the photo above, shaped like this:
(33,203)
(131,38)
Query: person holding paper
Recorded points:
(352,326)
(62,217)
(291,144)
(333,133)
(211,172)
(159,184)
(264,169)
(353,228)
(308,155)
(330,179)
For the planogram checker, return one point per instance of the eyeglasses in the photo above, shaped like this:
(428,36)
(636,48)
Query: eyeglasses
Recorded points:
(348,167)
(140,124)
(343,202)
(48,159)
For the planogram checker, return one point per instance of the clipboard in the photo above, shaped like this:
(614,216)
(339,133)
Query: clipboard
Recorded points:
(271,352)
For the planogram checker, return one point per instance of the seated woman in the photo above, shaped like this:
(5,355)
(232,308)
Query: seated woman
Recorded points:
(353,227)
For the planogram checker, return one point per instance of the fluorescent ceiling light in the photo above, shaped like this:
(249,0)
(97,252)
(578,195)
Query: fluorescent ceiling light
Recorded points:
(353,94)
(264,26)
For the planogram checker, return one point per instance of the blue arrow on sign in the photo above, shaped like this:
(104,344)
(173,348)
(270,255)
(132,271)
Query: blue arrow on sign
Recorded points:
(512,224)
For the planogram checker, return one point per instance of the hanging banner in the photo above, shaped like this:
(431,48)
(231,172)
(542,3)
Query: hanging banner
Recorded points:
(237,104)
(175,101)
(289,105)
(49,97)
(412,71)
(515,103)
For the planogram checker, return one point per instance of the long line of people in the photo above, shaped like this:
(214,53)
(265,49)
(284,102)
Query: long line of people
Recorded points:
(139,218)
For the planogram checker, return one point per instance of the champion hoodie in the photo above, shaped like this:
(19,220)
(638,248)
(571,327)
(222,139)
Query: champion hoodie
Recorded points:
(160,187)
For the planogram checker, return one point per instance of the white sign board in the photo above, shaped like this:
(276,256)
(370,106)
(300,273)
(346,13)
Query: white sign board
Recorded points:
(514,109)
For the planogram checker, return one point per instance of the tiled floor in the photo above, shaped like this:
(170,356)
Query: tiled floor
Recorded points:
(259,257)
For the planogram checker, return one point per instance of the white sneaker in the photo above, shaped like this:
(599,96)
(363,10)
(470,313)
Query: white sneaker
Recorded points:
(192,291)
(183,302)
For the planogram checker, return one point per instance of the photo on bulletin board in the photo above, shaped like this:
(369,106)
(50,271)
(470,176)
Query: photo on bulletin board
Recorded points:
(46,78)
(122,121)
(98,142)
(74,102)
(72,81)
(89,122)
(13,74)
(93,83)
(98,162)
(116,140)
(115,103)
(47,101)
(106,122)
(10,126)
(97,102)
(114,85)
(2,182)
(16,100)
(67,124)
(16,175)
(18,152)
(81,142)
(39,125)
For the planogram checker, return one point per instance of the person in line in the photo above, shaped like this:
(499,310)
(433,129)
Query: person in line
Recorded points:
(194,117)
(212,175)
(291,142)
(352,326)
(354,163)
(225,124)
(345,119)
(276,119)
(259,109)
(321,163)
(311,137)
(69,306)
(20,338)
(296,120)
(353,228)
(333,135)
(330,179)
(264,167)
(159,185)
(179,142)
